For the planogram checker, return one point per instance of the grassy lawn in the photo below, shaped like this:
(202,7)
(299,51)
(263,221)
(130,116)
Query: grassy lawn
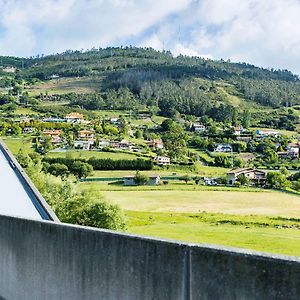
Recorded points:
(89,154)
(16,144)
(237,202)
(201,171)
(255,232)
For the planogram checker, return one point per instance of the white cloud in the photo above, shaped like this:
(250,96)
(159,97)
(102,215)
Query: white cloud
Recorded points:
(262,32)
(180,49)
(56,25)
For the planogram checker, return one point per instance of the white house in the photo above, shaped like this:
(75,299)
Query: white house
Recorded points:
(74,117)
(254,175)
(198,127)
(238,130)
(293,150)
(223,148)
(83,145)
(266,133)
(103,144)
(162,160)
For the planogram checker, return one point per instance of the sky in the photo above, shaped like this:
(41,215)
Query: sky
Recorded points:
(261,32)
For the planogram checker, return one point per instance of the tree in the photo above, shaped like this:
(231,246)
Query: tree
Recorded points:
(277,180)
(186,178)
(84,210)
(58,169)
(238,162)
(222,160)
(246,119)
(243,179)
(23,159)
(140,179)
(138,134)
(81,169)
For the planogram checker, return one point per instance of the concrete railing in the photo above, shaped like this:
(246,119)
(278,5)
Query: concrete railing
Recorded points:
(45,260)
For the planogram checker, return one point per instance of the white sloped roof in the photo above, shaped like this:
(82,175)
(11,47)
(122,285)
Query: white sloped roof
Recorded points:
(18,197)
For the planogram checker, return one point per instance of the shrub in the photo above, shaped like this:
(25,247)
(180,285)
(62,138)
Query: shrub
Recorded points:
(141,179)
(83,210)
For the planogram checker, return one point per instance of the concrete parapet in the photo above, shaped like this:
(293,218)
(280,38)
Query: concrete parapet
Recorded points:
(45,260)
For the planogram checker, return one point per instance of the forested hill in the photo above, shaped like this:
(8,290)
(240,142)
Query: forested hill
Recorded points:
(144,76)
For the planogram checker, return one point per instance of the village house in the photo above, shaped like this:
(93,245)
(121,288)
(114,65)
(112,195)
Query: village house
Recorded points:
(56,140)
(197,127)
(293,150)
(83,144)
(123,145)
(238,130)
(130,180)
(155,145)
(53,120)
(254,175)
(162,160)
(266,133)
(223,148)
(52,132)
(27,130)
(86,134)
(103,144)
(74,117)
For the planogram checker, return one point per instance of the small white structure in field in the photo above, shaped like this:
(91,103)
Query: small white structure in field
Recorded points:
(130,180)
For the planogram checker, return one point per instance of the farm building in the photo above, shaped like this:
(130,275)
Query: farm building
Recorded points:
(130,180)
(256,176)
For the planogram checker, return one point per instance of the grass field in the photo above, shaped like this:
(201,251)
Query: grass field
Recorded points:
(247,202)
(255,232)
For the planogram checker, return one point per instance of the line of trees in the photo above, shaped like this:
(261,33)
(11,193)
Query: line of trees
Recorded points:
(104,164)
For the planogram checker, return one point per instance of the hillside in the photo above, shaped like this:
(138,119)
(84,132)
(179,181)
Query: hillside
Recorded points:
(145,79)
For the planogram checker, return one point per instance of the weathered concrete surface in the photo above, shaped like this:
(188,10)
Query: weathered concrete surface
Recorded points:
(220,273)
(41,260)
(44,260)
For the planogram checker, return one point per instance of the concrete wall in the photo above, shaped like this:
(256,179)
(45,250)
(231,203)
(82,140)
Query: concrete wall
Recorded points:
(44,260)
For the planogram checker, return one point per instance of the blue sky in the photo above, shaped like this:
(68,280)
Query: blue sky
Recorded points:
(261,32)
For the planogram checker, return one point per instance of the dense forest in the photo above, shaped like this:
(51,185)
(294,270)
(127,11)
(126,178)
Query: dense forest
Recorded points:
(143,77)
